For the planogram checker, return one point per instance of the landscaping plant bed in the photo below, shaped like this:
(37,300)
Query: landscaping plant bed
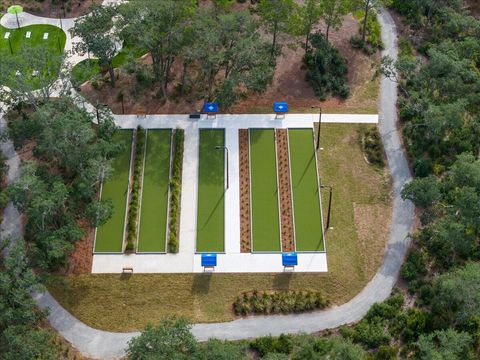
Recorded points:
(283,168)
(245,229)
(176,190)
(278,302)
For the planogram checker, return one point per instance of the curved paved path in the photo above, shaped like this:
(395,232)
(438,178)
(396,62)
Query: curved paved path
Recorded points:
(106,345)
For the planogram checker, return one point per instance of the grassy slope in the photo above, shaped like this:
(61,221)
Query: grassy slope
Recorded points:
(110,235)
(153,220)
(264,191)
(211,187)
(306,205)
(106,301)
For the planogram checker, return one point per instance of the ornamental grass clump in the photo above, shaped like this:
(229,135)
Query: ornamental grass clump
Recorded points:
(134,205)
(175,190)
(278,302)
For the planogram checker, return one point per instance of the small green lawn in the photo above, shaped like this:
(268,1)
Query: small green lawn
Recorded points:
(109,236)
(306,200)
(85,70)
(55,42)
(156,177)
(211,191)
(264,191)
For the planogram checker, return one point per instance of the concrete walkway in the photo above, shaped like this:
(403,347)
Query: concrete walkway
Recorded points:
(106,345)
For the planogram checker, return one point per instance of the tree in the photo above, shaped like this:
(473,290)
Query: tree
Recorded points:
(171,339)
(276,16)
(423,192)
(309,14)
(160,27)
(456,297)
(99,36)
(231,46)
(367,6)
(445,345)
(333,12)
(31,75)
(19,339)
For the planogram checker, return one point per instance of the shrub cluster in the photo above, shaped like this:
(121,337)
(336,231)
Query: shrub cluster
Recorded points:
(175,190)
(326,69)
(372,146)
(134,205)
(275,302)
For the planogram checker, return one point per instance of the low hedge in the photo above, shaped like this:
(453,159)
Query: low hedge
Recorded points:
(276,302)
(175,190)
(133,208)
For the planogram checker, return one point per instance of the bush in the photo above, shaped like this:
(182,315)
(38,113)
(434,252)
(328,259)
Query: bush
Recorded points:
(326,69)
(278,302)
(268,344)
(175,190)
(415,265)
(372,146)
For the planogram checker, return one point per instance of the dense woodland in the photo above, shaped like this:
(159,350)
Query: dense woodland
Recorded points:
(223,55)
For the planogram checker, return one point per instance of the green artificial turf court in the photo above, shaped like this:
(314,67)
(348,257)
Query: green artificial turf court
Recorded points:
(306,200)
(211,191)
(156,177)
(109,237)
(56,38)
(265,222)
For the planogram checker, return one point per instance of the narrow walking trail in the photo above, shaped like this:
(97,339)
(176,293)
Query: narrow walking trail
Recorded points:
(107,345)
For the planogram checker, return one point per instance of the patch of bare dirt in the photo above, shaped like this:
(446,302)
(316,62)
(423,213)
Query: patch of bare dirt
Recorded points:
(245,230)
(283,170)
(52,8)
(371,236)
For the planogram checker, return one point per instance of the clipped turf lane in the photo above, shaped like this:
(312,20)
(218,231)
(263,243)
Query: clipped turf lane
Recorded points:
(264,191)
(156,177)
(306,202)
(110,235)
(211,190)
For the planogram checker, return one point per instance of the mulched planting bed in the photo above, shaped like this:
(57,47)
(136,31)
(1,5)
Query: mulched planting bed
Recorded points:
(283,168)
(110,235)
(245,240)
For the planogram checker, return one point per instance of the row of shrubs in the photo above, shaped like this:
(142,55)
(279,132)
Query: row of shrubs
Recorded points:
(372,146)
(175,190)
(275,302)
(134,205)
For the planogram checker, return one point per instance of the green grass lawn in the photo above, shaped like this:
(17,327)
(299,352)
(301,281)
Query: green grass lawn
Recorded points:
(306,204)
(264,191)
(55,42)
(211,191)
(125,303)
(110,235)
(153,219)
